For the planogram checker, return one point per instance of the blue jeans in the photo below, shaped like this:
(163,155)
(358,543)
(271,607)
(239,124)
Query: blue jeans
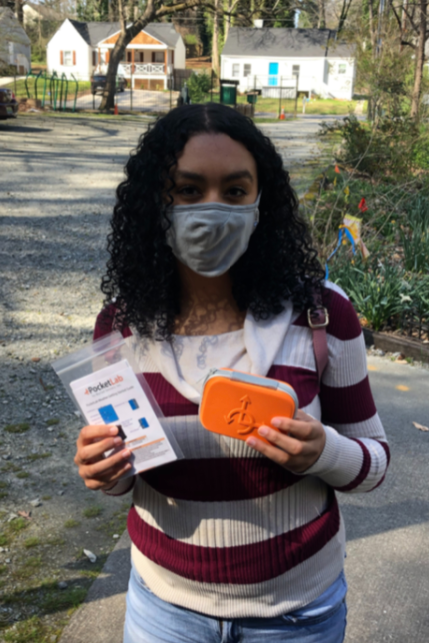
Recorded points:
(151,620)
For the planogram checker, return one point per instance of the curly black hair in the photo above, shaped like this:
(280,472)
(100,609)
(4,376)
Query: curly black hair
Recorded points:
(279,264)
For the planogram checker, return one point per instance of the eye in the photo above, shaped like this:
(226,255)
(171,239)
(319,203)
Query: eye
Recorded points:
(236,191)
(188,190)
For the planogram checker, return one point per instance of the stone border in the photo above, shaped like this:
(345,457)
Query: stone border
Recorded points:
(391,344)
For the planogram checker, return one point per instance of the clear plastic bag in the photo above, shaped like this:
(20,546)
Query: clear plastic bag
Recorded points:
(103,381)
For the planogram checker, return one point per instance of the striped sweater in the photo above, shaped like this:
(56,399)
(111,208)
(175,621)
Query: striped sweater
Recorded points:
(226,531)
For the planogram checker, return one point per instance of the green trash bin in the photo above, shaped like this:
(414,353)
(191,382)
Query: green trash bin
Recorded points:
(252,98)
(228,94)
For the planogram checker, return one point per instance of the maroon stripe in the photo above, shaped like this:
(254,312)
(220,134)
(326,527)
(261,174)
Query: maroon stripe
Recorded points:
(347,404)
(168,398)
(220,479)
(343,321)
(366,464)
(104,323)
(303,381)
(244,564)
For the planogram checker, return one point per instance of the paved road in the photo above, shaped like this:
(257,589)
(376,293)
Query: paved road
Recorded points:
(387,562)
(141,100)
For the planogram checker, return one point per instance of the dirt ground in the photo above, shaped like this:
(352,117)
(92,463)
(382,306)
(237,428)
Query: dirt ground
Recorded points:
(58,178)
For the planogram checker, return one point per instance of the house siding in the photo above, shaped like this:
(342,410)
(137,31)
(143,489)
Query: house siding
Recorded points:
(317,75)
(68,39)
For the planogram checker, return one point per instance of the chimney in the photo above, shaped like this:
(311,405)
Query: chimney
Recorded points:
(258,24)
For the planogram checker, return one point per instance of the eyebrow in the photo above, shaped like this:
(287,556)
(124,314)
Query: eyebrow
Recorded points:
(241,174)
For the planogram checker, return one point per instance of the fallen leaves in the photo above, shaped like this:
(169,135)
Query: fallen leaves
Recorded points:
(420,427)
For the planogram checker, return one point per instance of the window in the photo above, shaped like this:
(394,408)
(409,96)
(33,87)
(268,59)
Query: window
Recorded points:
(342,68)
(158,57)
(247,70)
(235,70)
(295,70)
(68,59)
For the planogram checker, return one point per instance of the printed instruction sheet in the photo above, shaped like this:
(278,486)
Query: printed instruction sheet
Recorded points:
(113,395)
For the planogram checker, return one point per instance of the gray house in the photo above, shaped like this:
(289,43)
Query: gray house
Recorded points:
(268,59)
(15,50)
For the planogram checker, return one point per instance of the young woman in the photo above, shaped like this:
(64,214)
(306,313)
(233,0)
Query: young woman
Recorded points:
(212,266)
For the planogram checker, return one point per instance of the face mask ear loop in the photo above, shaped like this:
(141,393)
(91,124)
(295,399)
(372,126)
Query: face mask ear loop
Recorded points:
(255,223)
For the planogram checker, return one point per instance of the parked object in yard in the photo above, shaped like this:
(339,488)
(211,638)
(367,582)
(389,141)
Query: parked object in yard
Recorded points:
(98,83)
(8,104)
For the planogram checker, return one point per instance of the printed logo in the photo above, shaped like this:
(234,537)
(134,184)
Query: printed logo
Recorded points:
(102,385)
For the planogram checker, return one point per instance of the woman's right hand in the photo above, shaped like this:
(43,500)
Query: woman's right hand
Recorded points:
(96,470)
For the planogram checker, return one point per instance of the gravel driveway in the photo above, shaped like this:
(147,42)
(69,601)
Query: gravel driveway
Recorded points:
(57,181)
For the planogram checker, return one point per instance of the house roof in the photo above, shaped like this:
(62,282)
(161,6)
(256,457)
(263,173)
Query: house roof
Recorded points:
(10,31)
(95,32)
(285,43)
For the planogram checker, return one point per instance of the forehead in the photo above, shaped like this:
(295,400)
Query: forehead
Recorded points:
(215,153)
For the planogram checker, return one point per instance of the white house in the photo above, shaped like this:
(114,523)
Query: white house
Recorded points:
(15,48)
(83,48)
(277,60)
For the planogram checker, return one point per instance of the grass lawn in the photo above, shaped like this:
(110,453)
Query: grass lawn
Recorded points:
(21,91)
(315,106)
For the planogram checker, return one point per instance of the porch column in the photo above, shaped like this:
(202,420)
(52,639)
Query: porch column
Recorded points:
(165,61)
(133,69)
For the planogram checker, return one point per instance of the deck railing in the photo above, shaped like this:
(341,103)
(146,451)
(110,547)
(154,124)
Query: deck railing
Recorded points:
(143,68)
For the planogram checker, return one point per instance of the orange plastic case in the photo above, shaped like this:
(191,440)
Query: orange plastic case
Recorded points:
(236,404)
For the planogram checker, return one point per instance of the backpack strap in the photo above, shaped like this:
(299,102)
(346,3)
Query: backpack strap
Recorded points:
(318,319)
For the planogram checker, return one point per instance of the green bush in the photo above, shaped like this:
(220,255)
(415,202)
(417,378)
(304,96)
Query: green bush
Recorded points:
(374,289)
(198,85)
(390,148)
(414,235)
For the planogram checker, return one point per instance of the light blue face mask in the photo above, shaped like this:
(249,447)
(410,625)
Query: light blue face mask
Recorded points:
(210,237)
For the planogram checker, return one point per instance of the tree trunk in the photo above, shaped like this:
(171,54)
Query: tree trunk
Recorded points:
(420,60)
(127,35)
(19,10)
(371,24)
(227,19)
(321,22)
(215,40)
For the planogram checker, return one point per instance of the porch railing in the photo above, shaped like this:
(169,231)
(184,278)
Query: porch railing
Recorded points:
(143,69)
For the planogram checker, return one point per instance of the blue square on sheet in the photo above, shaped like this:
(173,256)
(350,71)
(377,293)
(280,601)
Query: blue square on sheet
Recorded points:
(133,404)
(144,423)
(108,414)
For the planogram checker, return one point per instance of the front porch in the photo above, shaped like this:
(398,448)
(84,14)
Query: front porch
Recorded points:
(143,69)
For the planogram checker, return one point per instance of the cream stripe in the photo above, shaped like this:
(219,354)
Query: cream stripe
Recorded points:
(231,523)
(198,443)
(350,366)
(285,593)
(371,428)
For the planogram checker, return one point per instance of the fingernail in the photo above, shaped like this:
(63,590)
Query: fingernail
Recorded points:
(263,431)
(276,422)
(117,441)
(126,453)
(251,441)
(113,430)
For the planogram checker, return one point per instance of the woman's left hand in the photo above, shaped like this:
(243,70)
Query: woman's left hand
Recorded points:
(296,445)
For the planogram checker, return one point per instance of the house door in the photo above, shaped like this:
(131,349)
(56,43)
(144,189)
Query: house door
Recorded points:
(273,74)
